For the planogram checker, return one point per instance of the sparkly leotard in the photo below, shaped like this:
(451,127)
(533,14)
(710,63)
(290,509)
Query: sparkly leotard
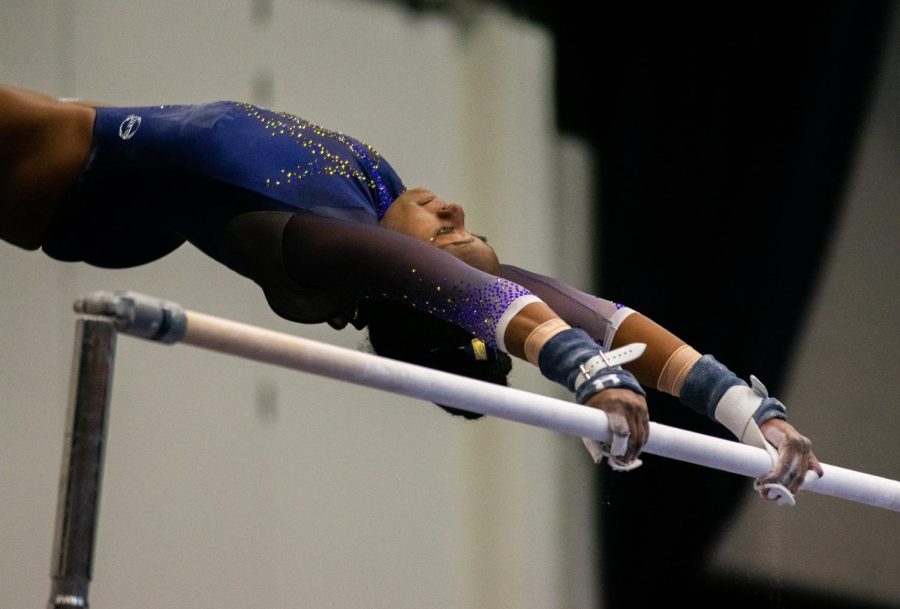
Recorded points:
(172,160)
(160,175)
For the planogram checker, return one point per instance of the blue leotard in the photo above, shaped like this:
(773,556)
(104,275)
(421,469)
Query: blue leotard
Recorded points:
(175,158)
(160,175)
(296,164)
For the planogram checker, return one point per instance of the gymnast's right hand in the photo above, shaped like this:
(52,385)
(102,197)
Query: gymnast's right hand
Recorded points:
(629,423)
(572,358)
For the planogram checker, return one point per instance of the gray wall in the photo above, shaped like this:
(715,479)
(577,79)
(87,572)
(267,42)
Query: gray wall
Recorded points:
(229,483)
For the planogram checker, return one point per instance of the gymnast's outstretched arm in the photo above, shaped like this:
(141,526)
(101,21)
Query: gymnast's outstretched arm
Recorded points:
(672,366)
(365,261)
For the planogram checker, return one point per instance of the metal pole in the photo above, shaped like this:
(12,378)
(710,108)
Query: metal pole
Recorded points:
(82,464)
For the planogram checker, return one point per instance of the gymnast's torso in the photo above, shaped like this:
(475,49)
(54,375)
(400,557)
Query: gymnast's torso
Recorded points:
(225,175)
(159,175)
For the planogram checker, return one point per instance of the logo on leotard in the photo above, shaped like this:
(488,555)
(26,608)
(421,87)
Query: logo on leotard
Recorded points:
(129,126)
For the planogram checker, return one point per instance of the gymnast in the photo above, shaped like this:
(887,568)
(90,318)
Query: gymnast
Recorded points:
(323,224)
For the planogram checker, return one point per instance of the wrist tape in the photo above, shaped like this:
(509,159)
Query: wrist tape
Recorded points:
(572,359)
(712,389)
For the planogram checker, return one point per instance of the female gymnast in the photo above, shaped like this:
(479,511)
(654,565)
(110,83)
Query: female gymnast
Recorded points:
(323,224)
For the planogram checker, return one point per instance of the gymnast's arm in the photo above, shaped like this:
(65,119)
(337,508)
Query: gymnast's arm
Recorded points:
(670,365)
(366,261)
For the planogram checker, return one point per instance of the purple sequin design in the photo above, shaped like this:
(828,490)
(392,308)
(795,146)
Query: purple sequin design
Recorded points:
(477,308)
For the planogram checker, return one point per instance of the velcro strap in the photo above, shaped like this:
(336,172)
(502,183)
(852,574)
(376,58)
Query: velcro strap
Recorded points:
(610,359)
(608,378)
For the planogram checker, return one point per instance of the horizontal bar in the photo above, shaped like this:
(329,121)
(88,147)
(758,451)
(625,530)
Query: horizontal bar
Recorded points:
(267,346)
(288,351)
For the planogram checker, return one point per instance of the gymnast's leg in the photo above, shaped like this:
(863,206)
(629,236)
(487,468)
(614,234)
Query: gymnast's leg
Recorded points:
(44,144)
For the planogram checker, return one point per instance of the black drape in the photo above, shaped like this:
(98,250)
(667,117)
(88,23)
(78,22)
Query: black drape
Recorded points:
(725,135)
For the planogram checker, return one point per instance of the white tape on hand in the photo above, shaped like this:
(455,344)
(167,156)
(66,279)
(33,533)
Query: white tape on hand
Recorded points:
(616,449)
(619,445)
(599,450)
(775,492)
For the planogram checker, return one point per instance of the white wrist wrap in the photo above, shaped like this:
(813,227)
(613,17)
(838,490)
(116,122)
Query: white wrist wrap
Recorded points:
(736,408)
(610,359)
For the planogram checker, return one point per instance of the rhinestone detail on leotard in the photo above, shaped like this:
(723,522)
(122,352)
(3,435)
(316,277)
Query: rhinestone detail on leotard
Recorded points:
(478,308)
(325,159)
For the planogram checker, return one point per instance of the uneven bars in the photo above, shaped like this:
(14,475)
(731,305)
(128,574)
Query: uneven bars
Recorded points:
(168,322)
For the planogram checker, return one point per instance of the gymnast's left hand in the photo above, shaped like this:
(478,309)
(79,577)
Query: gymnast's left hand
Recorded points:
(629,421)
(795,457)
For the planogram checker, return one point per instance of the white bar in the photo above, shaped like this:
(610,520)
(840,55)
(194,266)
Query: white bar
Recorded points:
(306,355)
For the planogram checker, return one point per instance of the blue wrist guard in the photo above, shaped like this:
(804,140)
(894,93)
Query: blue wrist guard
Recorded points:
(569,358)
(708,389)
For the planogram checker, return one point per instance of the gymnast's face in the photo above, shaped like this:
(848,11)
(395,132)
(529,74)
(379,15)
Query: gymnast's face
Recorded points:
(420,213)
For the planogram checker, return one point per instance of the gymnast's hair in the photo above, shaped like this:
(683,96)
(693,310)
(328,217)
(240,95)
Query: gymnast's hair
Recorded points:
(415,337)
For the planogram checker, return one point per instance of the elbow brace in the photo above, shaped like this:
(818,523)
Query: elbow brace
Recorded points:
(712,389)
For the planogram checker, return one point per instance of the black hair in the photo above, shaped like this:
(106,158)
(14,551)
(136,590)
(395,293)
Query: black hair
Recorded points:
(415,337)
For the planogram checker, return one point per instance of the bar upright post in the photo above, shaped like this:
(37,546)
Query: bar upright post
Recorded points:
(82,464)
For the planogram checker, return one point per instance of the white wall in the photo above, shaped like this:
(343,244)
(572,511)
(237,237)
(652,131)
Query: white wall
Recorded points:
(229,483)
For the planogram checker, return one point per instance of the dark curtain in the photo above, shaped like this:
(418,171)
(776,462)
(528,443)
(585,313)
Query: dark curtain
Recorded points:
(726,135)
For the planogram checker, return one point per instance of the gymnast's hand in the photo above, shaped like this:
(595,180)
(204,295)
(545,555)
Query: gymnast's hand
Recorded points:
(795,457)
(629,422)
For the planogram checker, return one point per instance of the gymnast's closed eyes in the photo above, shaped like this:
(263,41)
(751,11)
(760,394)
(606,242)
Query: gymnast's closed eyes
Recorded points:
(327,229)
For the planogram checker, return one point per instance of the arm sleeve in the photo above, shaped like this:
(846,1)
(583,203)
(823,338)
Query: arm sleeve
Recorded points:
(667,359)
(598,317)
(368,261)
